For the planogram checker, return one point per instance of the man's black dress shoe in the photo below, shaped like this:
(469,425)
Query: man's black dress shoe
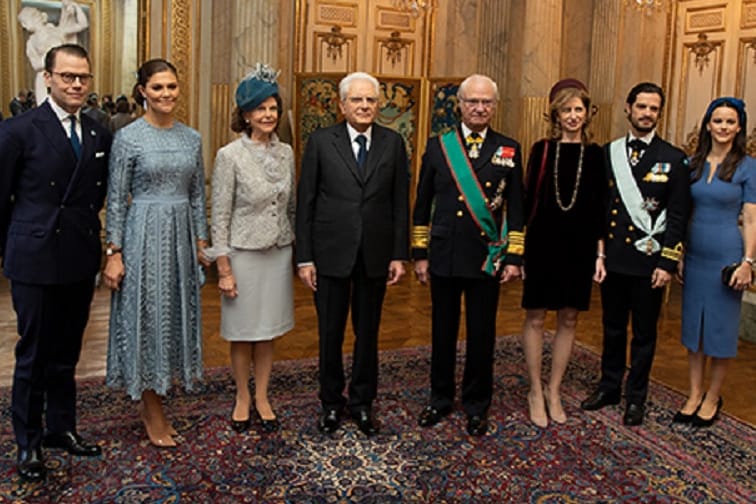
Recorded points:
(633,414)
(365,422)
(329,421)
(477,425)
(30,465)
(431,416)
(269,425)
(599,399)
(707,422)
(72,443)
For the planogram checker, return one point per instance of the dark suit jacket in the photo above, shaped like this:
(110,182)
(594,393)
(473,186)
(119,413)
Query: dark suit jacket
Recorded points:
(673,194)
(340,211)
(49,202)
(457,248)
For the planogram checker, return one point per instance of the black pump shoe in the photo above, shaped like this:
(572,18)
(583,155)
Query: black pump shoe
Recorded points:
(268,425)
(238,425)
(686,418)
(707,422)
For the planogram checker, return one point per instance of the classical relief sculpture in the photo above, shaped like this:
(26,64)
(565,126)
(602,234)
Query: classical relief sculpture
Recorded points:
(44,36)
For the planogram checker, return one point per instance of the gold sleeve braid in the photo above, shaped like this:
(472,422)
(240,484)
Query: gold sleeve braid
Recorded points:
(673,254)
(420,236)
(516,243)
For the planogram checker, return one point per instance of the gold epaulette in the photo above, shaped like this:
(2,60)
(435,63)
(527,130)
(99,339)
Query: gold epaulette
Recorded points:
(673,254)
(516,243)
(420,235)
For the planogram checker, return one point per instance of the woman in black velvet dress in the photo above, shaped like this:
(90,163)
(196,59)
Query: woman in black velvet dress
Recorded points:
(565,204)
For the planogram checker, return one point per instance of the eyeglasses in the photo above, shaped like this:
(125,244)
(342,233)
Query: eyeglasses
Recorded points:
(70,78)
(358,100)
(474,102)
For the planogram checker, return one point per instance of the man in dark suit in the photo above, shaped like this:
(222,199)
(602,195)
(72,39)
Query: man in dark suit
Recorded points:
(352,238)
(648,209)
(18,104)
(465,177)
(53,178)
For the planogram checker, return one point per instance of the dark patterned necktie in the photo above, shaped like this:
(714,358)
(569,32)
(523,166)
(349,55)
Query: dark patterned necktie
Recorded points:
(75,142)
(637,147)
(362,153)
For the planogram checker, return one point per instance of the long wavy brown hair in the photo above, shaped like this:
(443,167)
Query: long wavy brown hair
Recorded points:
(737,151)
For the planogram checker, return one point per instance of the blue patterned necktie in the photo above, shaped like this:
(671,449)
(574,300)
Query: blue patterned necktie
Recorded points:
(362,153)
(75,142)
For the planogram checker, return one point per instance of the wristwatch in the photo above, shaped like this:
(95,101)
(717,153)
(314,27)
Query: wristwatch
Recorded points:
(111,251)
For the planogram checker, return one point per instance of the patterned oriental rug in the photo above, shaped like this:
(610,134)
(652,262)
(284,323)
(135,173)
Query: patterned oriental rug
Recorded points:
(593,458)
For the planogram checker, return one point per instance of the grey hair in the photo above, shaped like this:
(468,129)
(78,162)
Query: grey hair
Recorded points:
(355,76)
(474,77)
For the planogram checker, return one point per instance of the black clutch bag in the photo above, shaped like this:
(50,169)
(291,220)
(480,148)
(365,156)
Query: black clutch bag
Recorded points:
(727,273)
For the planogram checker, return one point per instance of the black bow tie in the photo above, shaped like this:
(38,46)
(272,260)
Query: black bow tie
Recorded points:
(637,144)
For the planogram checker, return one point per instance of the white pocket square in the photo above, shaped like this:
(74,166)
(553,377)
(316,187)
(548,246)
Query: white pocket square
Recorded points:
(99,154)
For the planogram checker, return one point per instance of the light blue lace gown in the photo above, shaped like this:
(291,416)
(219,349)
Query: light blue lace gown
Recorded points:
(156,212)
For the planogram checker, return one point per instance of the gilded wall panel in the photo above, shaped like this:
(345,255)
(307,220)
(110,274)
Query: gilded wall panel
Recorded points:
(394,55)
(334,52)
(745,85)
(391,19)
(336,14)
(748,14)
(709,19)
(6,71)
(221,103)
(698,85)
(181,53)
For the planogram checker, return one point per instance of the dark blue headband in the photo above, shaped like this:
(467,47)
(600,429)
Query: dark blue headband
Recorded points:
(735,103)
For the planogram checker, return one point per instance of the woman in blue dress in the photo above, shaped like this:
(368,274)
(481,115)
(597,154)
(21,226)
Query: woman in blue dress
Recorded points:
(723,183)
(156,232)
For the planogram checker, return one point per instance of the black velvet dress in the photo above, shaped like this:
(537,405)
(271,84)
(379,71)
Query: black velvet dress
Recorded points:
(560,246)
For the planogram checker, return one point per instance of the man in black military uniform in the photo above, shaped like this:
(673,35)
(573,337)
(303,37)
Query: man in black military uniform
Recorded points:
(648,209)
(467,174)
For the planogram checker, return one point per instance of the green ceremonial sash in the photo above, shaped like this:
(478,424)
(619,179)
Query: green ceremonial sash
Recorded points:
(468,185)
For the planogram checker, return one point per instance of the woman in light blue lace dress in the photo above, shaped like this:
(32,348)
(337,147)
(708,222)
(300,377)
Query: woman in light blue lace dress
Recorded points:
(156,225)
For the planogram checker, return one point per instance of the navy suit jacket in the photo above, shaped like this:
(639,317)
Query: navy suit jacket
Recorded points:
(671,192)
(457,248)
(49,201)
(341,211)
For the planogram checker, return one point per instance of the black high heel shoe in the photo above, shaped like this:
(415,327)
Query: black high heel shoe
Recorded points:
(269,425)
(686,418)
(238,425)
(707,422)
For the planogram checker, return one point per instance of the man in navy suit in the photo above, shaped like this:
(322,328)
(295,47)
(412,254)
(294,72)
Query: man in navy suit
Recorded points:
(649,197)
(352,234)
(53,179)
(461,244)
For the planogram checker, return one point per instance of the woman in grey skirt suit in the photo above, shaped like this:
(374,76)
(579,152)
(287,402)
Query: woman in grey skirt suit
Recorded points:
(252,229)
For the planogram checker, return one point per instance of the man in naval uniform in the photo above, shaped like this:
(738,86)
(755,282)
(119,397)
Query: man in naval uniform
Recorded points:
(648,209)
(465,177)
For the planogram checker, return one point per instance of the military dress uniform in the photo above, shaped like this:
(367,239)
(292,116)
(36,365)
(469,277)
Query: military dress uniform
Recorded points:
(457,248)
(634,247)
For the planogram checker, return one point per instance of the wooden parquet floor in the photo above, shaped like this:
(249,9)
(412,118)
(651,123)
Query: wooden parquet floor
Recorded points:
(405,323)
